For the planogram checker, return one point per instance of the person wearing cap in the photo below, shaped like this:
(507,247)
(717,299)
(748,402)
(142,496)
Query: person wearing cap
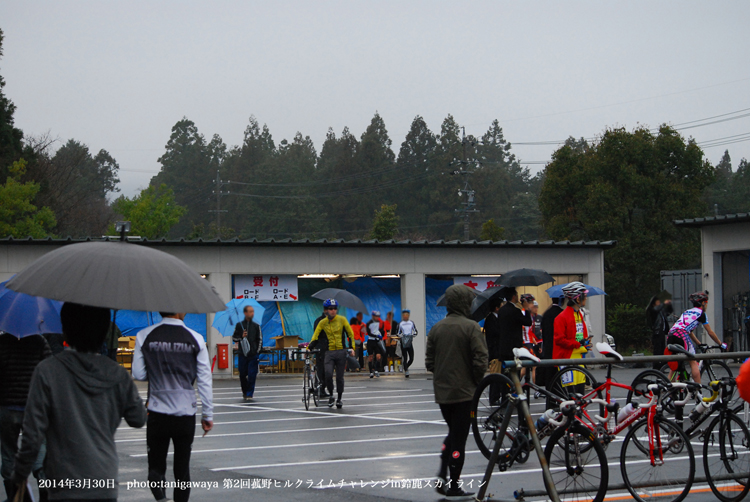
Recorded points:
(406,332)
(375,330)
(337,330)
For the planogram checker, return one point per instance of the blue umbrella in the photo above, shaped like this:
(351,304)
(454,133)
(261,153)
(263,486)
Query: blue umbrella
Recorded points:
(23,315)
(556,291)
(225,321)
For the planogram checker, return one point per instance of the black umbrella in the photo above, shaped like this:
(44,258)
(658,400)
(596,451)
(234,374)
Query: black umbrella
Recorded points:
(118,275)
(480,306)
(345,298)
(524,277)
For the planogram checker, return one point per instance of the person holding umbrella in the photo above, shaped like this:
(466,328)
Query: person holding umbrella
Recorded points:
(511,319)
(76,402)
(336,328)
(248,330)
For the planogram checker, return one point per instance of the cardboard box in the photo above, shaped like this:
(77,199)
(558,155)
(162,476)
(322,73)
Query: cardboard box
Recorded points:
(285,342)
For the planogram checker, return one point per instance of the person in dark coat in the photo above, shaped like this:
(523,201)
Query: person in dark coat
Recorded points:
(456,355)
(76,402)
(248,363)
(657,323)
(548,340)
(492,330)
(18,360)
(511,319)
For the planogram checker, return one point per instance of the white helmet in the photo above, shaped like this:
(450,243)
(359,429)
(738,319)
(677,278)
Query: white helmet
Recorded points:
(574,291)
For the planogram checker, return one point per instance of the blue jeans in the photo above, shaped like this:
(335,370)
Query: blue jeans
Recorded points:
(248,367)
(11,422)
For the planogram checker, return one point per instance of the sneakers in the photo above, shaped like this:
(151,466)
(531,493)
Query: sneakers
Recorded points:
(372,375)
(406,373)
(377,374)
(331,401)
(441,485)
(339,404)
(458,494)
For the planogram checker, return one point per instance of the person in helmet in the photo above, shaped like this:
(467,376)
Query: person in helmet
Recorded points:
(682,332)
(337,329)
(571,338)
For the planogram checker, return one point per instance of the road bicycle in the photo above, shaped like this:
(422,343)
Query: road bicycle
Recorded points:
(657,461)
(577,460)
(711,369)
(310,383)
(726,458)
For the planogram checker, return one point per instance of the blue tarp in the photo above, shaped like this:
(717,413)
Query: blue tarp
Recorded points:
(131,322)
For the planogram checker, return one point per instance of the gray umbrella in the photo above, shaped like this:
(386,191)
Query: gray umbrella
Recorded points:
(345,298)
(524,277)
(118,275)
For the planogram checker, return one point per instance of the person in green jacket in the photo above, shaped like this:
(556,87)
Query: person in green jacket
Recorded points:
(457,357)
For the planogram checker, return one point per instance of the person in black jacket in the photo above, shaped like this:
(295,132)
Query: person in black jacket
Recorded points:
(656,320)
(492,330)
(320,359)
(511,319)
(18,360)
(548,340)
(248,363)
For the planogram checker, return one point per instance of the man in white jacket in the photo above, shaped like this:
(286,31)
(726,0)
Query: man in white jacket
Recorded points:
(171,357)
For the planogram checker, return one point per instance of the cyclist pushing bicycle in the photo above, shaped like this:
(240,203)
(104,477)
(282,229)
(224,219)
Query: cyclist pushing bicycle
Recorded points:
(682,332)
(337,329)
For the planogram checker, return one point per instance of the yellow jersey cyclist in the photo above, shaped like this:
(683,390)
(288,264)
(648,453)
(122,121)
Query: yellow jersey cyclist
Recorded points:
(337,329)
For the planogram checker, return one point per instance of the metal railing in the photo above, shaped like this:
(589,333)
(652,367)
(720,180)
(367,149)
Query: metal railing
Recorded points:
(513,366)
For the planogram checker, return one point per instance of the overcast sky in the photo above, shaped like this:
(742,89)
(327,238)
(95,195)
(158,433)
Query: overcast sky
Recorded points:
(118,75)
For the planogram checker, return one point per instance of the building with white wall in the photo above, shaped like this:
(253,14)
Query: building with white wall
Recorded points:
(412,261)
(725,254)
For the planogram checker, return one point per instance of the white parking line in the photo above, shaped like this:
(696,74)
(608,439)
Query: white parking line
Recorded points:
(285,431)
(300,445)
(337,461)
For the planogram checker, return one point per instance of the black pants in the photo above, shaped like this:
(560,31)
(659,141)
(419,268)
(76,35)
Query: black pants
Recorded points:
(335,360)
(320,365)
(360,350)
(659,342)
(458,418)
(160,429)
(407,354)
(373,349)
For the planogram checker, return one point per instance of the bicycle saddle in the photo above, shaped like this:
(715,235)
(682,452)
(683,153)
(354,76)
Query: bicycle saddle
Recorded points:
(605,350)
(676,349)
(522,353)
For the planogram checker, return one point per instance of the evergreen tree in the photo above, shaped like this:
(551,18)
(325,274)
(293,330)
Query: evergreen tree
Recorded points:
(19,217)
(385,225)
(152,213)
(10,136)
(189,166)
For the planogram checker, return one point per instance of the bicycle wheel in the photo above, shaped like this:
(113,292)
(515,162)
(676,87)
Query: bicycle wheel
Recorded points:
(488,409)
(726,458)
(306,389)
(640,393)
(315,387)
(717,370)
(570,381)
(577,463)
(664,472)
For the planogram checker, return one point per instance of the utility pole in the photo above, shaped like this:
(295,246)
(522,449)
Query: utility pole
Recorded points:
(218,210)
(470,204)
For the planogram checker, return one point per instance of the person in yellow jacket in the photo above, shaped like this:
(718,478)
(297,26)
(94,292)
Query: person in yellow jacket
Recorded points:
(337,329)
